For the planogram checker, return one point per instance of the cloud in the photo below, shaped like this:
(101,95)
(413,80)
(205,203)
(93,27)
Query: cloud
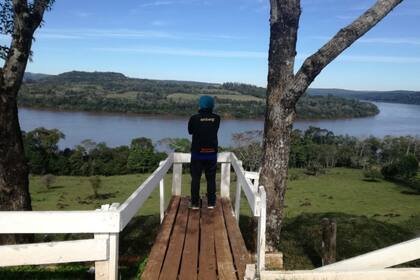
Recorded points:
(130,34)
(158,23)
(157,3)
(188,52)
(81,14)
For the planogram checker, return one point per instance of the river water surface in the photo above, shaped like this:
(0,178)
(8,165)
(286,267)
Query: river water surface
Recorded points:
(119,129)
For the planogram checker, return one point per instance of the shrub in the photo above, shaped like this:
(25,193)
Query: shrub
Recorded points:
(48,180)
(95,183)
(314,168)
(371,172)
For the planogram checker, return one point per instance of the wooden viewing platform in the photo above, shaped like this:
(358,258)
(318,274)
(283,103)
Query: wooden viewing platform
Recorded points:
(191,244)
(198,244)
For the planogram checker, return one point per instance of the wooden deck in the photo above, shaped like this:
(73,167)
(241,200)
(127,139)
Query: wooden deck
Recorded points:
(197,244)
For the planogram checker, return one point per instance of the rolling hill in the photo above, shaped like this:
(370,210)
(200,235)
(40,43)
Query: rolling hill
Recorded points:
(114,92)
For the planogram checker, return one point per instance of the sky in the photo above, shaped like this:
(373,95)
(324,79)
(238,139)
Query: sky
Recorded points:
(223,40)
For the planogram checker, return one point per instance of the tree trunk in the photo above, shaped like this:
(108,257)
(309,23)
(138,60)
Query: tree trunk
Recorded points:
(14,183)
(280,112)
(14,186)
(285,88)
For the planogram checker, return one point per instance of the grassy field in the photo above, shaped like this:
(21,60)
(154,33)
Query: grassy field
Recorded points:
(369,215)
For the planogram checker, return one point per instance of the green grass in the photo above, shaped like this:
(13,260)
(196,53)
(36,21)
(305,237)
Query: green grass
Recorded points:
(344,190)
(369,215)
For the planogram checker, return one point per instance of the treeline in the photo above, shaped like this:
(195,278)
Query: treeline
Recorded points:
(316,149)
(88,158)
(396,96)
(113,92)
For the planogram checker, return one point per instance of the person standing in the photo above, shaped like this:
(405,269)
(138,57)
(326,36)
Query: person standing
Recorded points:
(204,127)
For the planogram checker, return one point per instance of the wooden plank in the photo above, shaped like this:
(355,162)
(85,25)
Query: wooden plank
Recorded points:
(54,252)
(158,252)
(382,258)
(130,207)
(384,274)
(224,259)
(189,265)
(172,261)
(207,256)
(239,251)
(59,221)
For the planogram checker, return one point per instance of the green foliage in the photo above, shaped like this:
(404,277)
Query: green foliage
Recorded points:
(88,158)
(41,146)
(141,158)
(405,167)
(113,92)
(372,172)
(314,168)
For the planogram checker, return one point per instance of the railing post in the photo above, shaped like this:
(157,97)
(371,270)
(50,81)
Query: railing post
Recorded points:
(177,179)
(108,270)
(238,196)
(261,231)
(162,196)
(225,180)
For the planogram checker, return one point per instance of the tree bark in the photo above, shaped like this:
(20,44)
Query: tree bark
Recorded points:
(285,88)
(14,183)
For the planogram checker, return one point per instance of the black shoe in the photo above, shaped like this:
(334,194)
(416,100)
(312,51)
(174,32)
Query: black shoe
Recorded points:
(211,206)
(193,206)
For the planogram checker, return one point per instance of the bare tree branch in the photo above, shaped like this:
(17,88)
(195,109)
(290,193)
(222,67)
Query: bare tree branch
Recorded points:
(314,64)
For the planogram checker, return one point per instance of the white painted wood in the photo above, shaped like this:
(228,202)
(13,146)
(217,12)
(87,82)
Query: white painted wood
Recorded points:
(102,266)
(261,230)
(382,258)
(246,184)
(186,158)
(54,252)
(225,180)
(384,274)
(161,197)
(250,272)
(252,175)
(130,207)
(238,200)
(238,196)
(108,269)
(113,256)
(177,179)
(59,221)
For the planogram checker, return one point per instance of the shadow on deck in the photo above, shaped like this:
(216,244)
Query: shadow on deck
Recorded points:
(198,244)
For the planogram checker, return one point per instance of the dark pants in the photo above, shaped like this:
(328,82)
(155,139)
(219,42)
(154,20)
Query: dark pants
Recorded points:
(209,167)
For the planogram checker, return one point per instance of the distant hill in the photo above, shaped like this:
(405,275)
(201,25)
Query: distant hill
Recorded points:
(28,77)
(397,96)
(114,92)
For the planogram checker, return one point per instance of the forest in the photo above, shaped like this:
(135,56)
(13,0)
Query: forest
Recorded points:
(396,96)
(114,92)
(314,150)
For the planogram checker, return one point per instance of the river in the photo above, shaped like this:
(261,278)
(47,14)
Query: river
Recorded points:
(119,129)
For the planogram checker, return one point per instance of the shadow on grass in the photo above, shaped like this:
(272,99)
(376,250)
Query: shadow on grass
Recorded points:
(356,235)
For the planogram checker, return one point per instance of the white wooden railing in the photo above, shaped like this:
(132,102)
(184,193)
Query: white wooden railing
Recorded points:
(107,222)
